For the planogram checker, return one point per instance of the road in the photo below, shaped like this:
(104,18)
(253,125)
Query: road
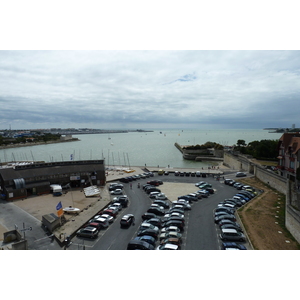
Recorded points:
(200,233)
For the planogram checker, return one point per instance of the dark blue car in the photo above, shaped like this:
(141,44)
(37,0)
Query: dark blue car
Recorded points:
(146,238)
(233,245)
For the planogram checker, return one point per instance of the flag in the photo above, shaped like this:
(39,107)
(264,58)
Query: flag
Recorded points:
(59,209)
(59,206)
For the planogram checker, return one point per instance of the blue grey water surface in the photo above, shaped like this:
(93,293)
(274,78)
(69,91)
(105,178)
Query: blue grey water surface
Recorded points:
(135,148)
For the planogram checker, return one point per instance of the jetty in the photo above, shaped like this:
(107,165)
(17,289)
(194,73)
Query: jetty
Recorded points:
(209,154)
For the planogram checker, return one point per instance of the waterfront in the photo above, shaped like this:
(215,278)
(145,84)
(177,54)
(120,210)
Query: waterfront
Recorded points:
(135,148)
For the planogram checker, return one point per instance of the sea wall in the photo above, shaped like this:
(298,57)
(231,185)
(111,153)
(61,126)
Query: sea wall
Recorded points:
(200,154)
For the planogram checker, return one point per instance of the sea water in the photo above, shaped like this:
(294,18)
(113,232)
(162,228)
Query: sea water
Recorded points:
(151,149)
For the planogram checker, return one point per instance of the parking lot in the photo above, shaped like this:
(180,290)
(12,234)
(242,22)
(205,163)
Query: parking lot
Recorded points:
(200,232)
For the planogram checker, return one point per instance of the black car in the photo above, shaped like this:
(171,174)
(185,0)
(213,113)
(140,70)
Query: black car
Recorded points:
(127,220)
(154,189)
(116,186)
(155,210)
(173,219)
(139,245)
(226,221)
(155,221)
(147,216)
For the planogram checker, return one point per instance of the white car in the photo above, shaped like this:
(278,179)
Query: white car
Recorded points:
(157,206)
(117,192)
(174,214)
(109,218)
(170,228)
(161,196)
(117,205)
(168,247)
(146,225)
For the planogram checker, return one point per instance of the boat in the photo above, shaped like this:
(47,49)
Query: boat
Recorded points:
(71,210)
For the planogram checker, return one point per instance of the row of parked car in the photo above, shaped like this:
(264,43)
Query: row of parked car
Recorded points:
(105,217)
(231,232)
(136,177)
(163,223)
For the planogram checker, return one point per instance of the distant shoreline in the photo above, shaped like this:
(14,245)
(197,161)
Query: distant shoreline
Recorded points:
(37,143)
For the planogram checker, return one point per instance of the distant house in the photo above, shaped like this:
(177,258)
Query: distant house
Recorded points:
(289,154)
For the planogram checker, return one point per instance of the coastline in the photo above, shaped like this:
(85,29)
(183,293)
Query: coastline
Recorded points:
(37,144)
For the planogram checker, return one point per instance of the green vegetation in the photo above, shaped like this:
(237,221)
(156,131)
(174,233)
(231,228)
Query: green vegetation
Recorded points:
(35,138)
(264,149)
(204,146)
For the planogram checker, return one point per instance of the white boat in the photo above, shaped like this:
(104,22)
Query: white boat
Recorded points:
(71,210)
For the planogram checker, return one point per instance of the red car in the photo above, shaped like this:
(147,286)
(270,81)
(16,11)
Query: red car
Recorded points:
(109,212)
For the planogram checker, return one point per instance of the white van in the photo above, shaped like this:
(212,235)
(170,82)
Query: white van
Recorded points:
(232,235)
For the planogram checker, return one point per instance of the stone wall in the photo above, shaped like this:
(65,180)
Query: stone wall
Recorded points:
(281,184)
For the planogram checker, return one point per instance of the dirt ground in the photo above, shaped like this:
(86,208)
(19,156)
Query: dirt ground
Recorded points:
(264,219)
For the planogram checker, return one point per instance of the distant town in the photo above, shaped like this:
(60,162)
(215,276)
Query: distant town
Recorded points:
(17,133)
(278,130)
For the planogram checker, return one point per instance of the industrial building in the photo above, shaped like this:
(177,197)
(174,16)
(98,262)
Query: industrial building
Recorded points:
(23,180)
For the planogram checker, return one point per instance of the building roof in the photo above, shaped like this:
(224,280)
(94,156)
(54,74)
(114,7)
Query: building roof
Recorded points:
(51,169)
(290,142)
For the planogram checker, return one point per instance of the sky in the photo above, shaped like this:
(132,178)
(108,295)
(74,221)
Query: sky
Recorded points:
(46,84)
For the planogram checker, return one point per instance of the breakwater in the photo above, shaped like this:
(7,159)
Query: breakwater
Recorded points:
(201,154)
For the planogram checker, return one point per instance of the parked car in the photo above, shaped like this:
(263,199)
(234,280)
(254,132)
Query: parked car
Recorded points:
(200,183)
(90,232)
(100,220)
(153,195)
(109,218)
(156,211)
(227,216)
(222,213)
(152,189)
(173,222)
(161,196)
(116,205)
(147,216)
(184,205)
(226,221)
(167,247)
(232,235)
(146,225)
(232,245)
(170,228)
(162,203)
(225,209)
(139,245)
(94,224)
(123,199)
(111,211)
(170,234)
(240,174)
(116,192)
(150,232)
(146,238)
(175,241)
(155,221)
(114,186)
(127,220)
(203,193)
(232,226)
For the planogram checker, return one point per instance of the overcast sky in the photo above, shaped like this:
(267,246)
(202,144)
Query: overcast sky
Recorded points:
(142,89)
